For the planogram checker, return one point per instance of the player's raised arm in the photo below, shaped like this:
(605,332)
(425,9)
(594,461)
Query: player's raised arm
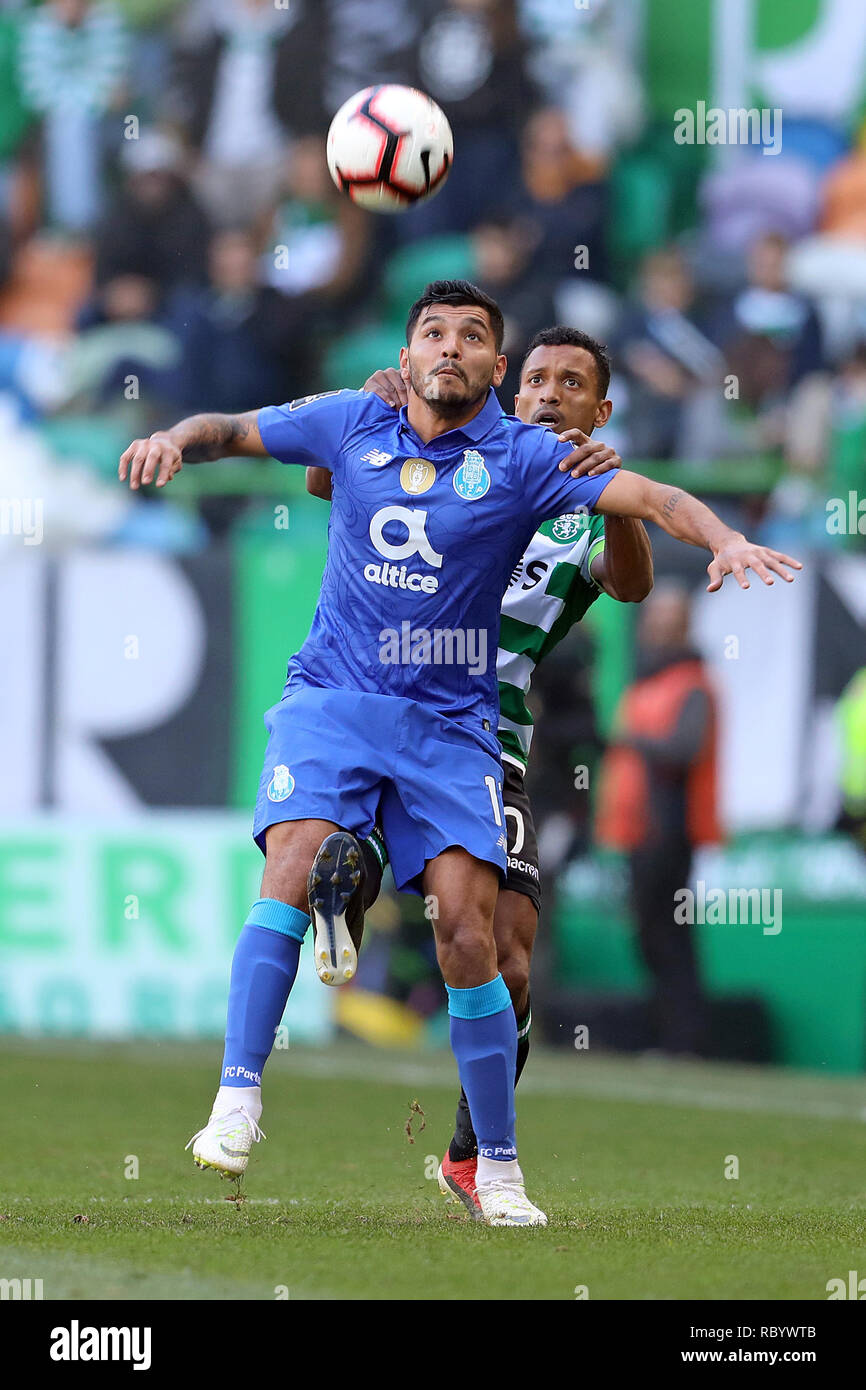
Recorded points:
(198,439)
(624,569)
(687,519)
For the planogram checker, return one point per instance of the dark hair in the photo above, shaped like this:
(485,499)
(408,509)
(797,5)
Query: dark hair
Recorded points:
(560,336)
(457,292)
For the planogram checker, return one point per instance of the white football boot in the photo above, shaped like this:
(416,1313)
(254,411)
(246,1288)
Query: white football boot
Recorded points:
(506,1204)
(225,1142)
(335,888)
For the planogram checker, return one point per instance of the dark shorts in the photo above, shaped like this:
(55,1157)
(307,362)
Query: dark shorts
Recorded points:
(522,874)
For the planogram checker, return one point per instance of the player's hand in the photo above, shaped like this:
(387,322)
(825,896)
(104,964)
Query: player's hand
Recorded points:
(145,459)
(389,386)
(590,456)
(739,555)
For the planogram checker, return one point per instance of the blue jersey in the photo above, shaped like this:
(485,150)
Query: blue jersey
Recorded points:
(422,540)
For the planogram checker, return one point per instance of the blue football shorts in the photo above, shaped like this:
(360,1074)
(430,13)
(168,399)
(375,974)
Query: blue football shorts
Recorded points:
(352,758)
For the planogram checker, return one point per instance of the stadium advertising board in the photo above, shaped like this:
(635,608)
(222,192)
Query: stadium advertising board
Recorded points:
(127,928)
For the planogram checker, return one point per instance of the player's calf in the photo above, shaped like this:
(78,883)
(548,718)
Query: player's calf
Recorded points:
(515,925)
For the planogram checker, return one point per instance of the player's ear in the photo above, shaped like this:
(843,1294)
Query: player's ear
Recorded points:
(404,364)
(500,369)
(602,414)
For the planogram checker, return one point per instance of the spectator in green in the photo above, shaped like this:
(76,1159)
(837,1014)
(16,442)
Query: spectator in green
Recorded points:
(73,57)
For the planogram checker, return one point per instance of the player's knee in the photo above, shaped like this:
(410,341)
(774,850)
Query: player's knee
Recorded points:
(466,945)
(514,969)
(291,847)
(463,924)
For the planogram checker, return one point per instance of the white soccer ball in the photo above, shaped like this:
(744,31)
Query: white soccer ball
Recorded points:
(389,147)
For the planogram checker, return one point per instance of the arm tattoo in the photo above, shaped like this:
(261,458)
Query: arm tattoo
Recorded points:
(214,434)
(670,503)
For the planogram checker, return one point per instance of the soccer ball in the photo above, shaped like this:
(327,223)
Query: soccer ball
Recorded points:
(389,147)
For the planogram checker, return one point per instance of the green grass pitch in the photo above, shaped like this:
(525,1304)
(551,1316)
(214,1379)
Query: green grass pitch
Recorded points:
(628,1158)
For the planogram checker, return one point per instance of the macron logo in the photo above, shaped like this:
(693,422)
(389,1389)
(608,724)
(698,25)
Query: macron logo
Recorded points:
(77,1343)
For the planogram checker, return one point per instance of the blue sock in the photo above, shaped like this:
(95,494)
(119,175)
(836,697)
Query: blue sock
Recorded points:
(264,967)
(484,1042)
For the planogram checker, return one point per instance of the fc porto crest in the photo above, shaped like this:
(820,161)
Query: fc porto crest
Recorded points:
(282,784)
(472,479)
(417,475)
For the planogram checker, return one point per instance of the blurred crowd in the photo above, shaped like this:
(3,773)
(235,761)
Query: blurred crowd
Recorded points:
(170,239)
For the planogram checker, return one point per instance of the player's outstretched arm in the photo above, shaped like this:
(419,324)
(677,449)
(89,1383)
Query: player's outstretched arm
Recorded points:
(198,439)
(687,519)
(624,569)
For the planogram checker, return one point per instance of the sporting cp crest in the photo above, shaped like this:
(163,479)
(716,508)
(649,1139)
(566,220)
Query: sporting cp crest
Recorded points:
(569,526)
(282,784)
(472,479)
(417,475)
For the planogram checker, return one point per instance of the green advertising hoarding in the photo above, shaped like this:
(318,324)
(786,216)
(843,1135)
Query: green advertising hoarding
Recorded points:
(807,965)
(127,928)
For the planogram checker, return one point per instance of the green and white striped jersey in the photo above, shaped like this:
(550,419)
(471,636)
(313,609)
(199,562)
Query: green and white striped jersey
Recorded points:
(550,590)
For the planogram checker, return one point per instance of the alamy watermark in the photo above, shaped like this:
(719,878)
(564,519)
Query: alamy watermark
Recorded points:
(846,516)
(441,646)
(729,907)
(738,125)
(22,516)
(20,1289)
(855,1287)
(77,1343)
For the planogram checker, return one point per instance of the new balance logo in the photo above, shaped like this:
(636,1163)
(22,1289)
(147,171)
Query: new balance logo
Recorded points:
(376,458)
